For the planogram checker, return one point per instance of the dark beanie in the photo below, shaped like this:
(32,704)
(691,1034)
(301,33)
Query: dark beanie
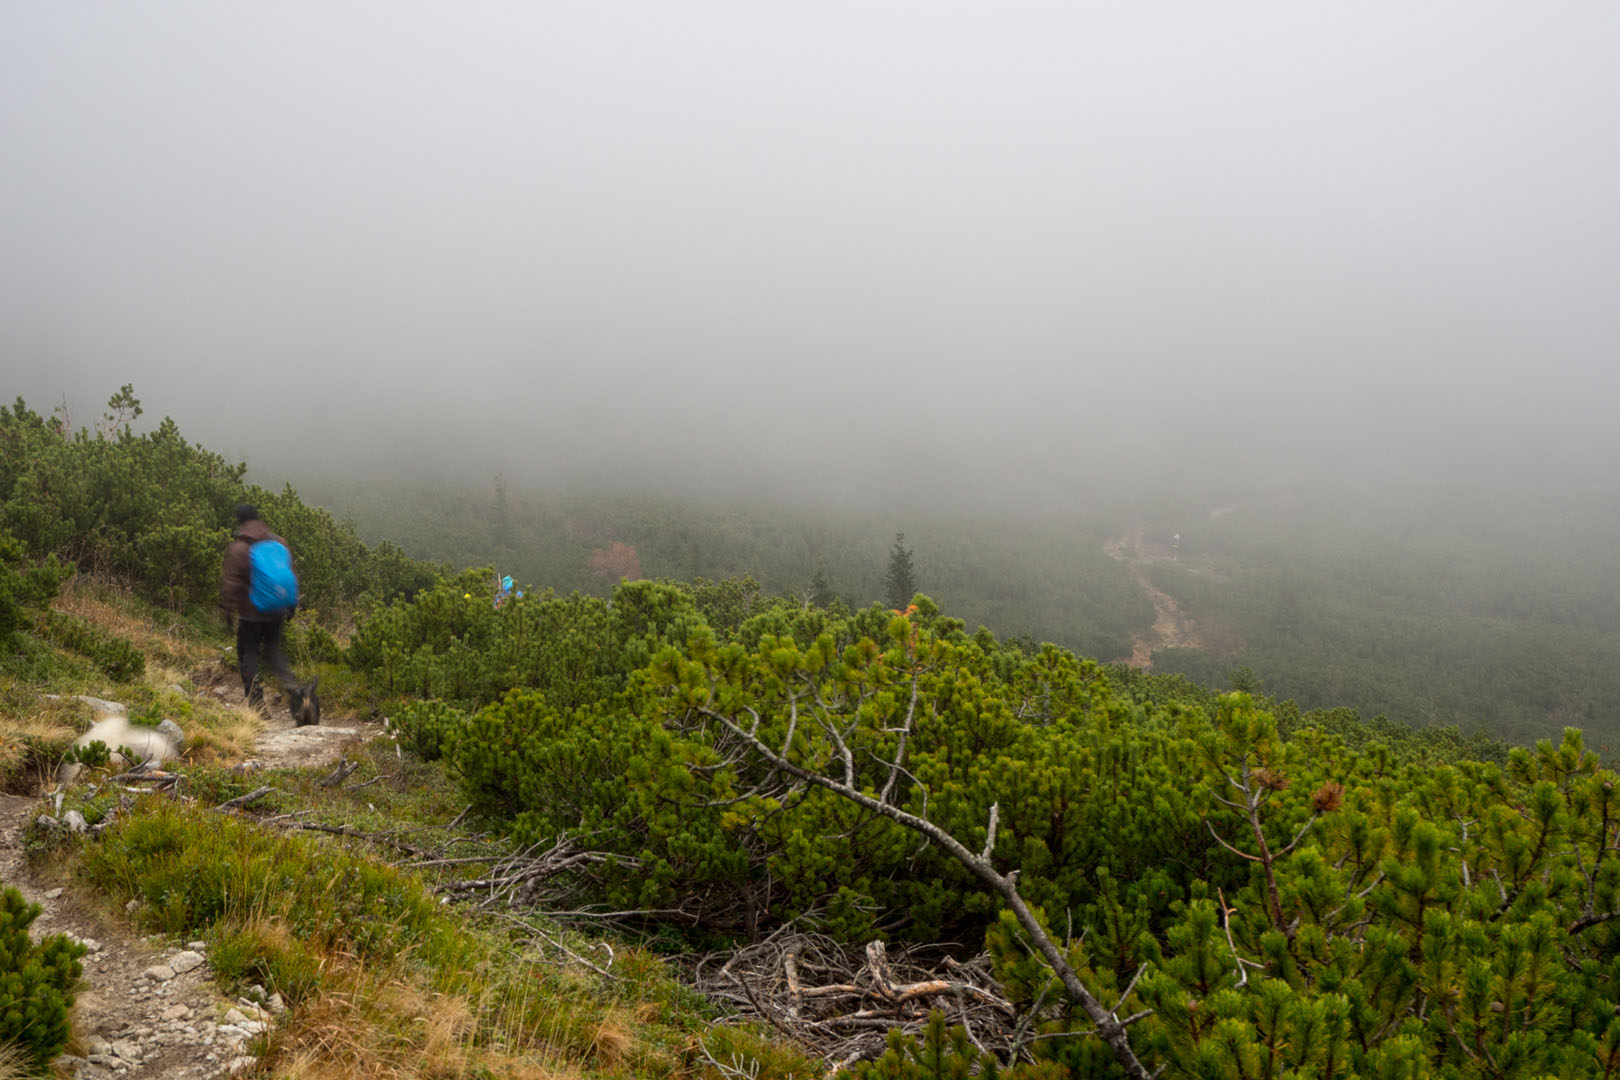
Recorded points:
(244,512)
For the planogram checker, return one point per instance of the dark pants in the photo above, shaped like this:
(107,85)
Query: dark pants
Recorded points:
(251,637)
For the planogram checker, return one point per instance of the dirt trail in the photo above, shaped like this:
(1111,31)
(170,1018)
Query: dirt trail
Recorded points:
(149,1007)
(1171,628)
(282,744)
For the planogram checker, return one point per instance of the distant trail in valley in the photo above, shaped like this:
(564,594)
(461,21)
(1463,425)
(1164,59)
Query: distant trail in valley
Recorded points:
(1171,628)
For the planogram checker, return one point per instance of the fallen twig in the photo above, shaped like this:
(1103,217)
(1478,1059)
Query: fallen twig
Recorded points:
(246,800)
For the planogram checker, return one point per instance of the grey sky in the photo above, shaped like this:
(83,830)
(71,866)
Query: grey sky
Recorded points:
(866,247)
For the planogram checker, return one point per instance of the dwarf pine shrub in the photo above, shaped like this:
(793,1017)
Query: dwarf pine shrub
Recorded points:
(37,983)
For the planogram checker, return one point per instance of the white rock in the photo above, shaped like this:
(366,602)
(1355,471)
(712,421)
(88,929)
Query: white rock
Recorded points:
(276,1004)
(52,894)
(183,962)
(127,1050)
(97,1045)
(234,1016)
(197,946)
(254,1027)
(177,1012)
(75,821)
(132,907)
(91,944)
(159,972)
(240,1064)
(149,744)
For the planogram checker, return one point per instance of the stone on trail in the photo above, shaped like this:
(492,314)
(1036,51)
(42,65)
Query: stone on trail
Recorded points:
(183,962)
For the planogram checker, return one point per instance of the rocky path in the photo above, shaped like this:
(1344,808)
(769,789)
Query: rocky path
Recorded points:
(149,1007)
(1171,628)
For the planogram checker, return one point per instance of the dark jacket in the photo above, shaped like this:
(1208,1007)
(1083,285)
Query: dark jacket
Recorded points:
(237,576)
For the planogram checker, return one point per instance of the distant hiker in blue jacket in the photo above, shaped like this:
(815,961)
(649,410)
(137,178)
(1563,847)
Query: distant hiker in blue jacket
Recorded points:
(258,588)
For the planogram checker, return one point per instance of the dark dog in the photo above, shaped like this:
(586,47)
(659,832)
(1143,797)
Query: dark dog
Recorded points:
(305,704)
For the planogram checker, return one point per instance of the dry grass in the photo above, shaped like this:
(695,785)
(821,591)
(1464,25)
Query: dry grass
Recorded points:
(13,1062)
(222,733)
(27,741)
(164,638)
(390,1027)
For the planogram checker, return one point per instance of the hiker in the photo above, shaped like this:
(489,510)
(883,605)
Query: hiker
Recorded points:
(248,578)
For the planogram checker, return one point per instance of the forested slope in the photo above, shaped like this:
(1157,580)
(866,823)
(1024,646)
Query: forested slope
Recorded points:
(1047,580)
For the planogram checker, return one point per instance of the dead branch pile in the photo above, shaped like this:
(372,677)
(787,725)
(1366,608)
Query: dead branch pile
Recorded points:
(527,879)
(840,1001)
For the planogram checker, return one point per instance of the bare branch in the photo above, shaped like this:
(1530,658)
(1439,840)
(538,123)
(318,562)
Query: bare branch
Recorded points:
(245,800)
(1229,847)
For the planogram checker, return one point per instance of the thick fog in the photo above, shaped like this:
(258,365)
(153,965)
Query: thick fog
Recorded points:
(994,254)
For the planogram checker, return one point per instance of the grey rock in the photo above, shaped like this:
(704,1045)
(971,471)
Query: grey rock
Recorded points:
(128,1050)
(96,1045)
(172,730)
(159,972)
(196,946)
(75,821)
(132,907)
(183,962)
(177,1012)
(276,1004)
(53,894)
(235,1016)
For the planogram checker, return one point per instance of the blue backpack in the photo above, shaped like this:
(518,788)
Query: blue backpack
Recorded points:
(273,587)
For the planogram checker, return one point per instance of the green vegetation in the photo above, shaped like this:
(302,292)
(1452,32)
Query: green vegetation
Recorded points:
(1494,611)
(37,984)
(155,512)
(1276,905)
(1269,888)
(371,962)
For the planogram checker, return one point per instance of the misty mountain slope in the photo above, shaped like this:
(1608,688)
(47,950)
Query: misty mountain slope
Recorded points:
(1432,604)
(1048,580)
